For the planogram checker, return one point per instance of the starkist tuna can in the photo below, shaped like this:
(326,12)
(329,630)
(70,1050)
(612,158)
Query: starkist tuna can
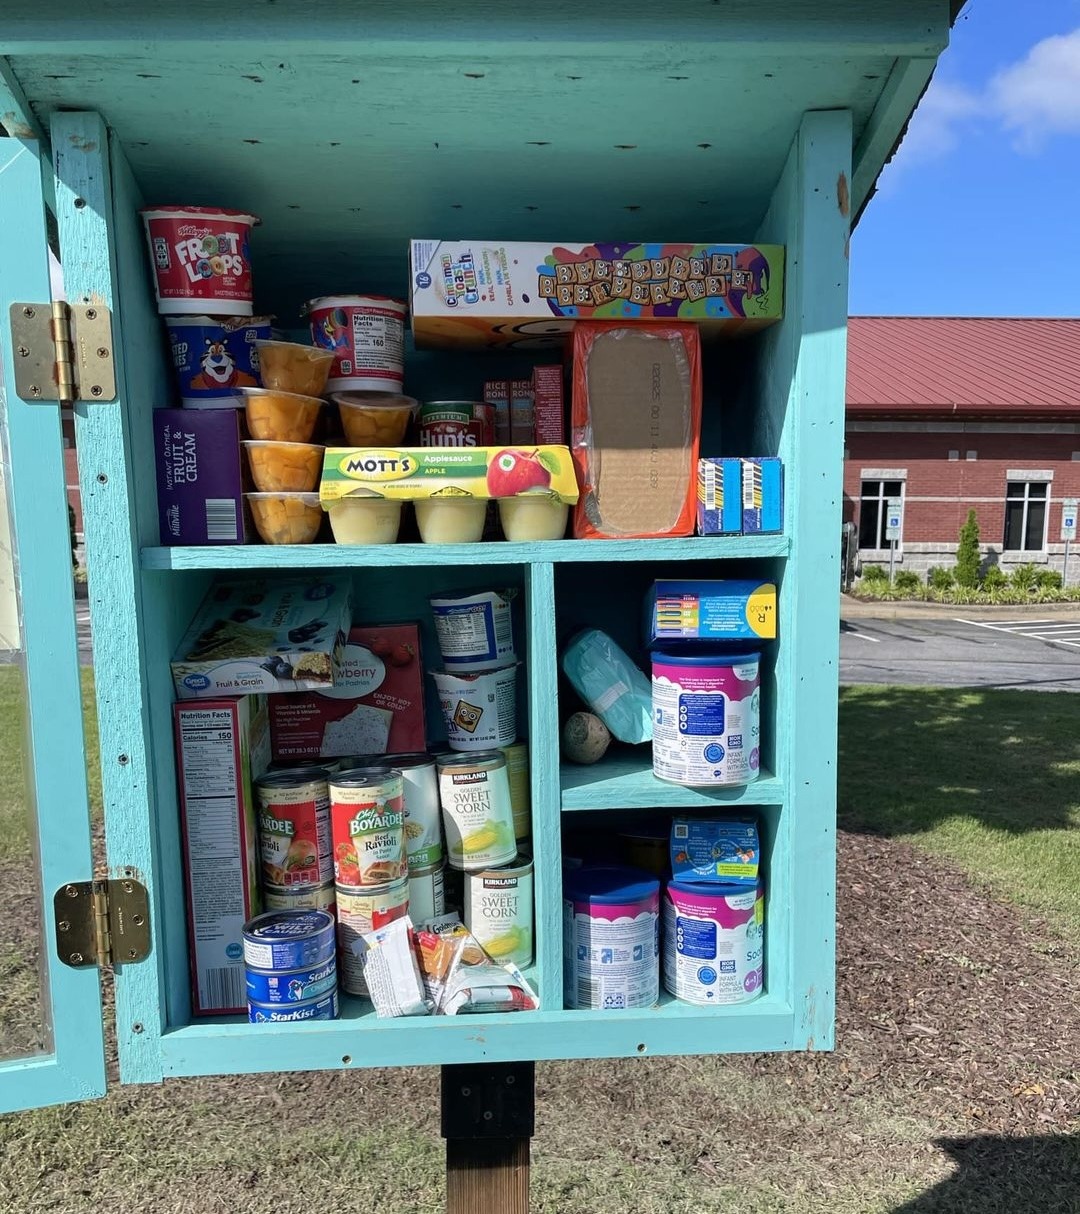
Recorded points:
(367,335)
(201,257)
(288,940)
(713,942)
(291,986)
(325,1008)
(216,356)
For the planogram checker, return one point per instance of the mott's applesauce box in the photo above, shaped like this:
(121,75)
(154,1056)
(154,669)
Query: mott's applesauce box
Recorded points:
(494,293)
(710,611)
(416,473)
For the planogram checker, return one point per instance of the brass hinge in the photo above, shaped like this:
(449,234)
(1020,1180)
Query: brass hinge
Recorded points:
(102,922)
(63,353)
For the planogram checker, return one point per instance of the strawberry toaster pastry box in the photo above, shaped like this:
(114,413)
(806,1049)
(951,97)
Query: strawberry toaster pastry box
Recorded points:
(376,705)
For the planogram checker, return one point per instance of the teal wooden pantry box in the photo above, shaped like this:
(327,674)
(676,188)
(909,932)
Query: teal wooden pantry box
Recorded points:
(350,128)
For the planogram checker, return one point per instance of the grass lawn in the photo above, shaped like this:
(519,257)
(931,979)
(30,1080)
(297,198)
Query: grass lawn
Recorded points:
(989,780)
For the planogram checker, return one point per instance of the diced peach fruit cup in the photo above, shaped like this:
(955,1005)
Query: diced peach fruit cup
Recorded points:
(284,467)
(374,417)
(281,417)
(292,367)
(286,518)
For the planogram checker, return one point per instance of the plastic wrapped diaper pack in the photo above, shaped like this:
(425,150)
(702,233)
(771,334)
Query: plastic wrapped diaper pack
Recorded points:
(611,684)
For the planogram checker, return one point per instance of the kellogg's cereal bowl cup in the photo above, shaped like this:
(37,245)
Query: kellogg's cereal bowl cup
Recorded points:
(281,417)
(292,367)
(374,417)
(201,258)
(216,356)
(286,518)
(284,467)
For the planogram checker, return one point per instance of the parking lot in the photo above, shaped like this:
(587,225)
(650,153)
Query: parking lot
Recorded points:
(1025,651)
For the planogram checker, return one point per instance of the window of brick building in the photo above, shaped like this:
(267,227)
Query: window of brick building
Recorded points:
(873,504)
(1025,516)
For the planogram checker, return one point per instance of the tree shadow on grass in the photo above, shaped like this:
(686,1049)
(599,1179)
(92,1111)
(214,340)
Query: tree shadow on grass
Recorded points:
(912,757)
(1006,1176)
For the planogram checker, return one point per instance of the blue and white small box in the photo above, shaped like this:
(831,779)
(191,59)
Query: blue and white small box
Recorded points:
(719,510)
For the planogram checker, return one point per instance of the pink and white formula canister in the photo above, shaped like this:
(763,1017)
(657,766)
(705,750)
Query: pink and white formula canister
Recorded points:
(367,335)
(706,717)
(202,260)
(714,939)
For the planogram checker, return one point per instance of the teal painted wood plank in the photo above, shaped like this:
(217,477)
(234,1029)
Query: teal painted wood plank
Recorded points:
(906,84)
(228,1047)
(337,556)
(544,760)
(75,1067)
(98,250)
(624,780)
(17,117)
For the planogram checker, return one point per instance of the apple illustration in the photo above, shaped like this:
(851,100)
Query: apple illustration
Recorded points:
(512,472)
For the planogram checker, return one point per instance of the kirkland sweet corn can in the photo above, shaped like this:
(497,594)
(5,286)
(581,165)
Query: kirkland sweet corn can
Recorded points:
(474,792)
(499,911)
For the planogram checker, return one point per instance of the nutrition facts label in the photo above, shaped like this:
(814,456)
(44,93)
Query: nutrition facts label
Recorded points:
(377,342)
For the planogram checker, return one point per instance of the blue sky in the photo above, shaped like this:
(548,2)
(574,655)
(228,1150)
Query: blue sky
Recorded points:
(979,213)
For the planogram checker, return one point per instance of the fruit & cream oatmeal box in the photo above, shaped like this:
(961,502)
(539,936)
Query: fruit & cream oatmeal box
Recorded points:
(376,705)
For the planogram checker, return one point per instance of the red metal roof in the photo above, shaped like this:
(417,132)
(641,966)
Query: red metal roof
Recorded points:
(938,366)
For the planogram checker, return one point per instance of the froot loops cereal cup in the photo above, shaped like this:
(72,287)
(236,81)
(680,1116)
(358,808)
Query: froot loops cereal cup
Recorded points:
(201,258)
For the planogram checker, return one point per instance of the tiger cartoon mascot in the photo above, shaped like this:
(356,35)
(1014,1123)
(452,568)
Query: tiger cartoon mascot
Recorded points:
(219,370)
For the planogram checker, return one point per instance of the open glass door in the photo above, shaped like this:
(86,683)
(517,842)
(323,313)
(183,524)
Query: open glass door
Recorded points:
(51,1036)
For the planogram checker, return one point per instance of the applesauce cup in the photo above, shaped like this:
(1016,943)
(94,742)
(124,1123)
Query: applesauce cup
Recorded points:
(284,467)
(451,520)
(281,417)
(374,417)
(292,367)
(365,520)
(532,517)
(286,518)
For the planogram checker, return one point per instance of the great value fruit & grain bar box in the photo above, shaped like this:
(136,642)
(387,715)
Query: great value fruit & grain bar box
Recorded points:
(264,634)
(376,705)
(501,293)
(222,747)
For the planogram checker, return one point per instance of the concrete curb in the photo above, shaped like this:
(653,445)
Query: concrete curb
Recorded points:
(856,609)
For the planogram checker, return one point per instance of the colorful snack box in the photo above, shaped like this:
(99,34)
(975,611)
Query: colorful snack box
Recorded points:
(497,395)
(264,634)
(719,497)
(522,412)
(200,477)
(719,850)
(549,405)
(222,747)
(491,293)
(710,611)
(376,705)
(762,496)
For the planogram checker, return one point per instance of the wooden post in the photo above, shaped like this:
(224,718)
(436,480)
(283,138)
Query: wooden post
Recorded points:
(487,1121)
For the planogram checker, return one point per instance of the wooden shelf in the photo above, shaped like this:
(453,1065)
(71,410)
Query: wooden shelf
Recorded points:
(337,556)
(625,781)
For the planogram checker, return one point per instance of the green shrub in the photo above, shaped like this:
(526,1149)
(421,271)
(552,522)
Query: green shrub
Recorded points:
(908,583)
(940,578)
(1047,579)
(1024,577)
(995,578)
(874,573)
(968,558)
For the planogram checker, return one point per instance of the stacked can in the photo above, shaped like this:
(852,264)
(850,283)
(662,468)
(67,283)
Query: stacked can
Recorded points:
(371,867)
(296,858)
(474,791)
(290,967)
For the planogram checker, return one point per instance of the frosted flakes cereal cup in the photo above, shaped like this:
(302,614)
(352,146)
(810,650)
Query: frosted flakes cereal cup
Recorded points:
(365,520)
(286,518)
(281,417)
(284,467)
(451,520)
(292,367)
(370,418)
(531,517)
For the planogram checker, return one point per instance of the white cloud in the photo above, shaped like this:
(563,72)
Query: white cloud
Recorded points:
(936,125)
(1040,96)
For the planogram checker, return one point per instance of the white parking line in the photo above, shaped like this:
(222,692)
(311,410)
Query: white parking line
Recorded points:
(863,636)
(1033,630)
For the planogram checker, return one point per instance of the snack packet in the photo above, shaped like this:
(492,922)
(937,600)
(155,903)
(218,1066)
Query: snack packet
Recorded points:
(392,973)
(459,977)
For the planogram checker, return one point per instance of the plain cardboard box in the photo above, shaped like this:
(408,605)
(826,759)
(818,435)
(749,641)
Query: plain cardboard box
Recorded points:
(636,423)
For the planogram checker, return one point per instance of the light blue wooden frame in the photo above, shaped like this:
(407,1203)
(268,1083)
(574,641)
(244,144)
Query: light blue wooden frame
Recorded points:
(134,592)
(71,999)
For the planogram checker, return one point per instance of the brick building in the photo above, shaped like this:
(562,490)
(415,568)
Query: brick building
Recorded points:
(954,413)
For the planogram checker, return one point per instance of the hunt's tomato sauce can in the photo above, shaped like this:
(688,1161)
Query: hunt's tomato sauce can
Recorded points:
(294,828)
(367,818)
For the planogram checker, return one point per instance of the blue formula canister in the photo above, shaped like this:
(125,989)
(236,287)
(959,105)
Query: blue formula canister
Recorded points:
(215,357)
(289,940)
(291,986)
(325,1008)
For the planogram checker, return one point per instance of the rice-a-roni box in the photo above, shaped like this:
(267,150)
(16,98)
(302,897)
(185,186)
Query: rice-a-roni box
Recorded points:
(264,635)
(376,705)
(516,293)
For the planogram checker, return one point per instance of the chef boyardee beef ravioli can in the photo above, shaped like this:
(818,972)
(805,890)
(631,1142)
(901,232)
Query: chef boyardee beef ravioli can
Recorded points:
(367,819)
(477,813)
(288,940)
(294,828)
